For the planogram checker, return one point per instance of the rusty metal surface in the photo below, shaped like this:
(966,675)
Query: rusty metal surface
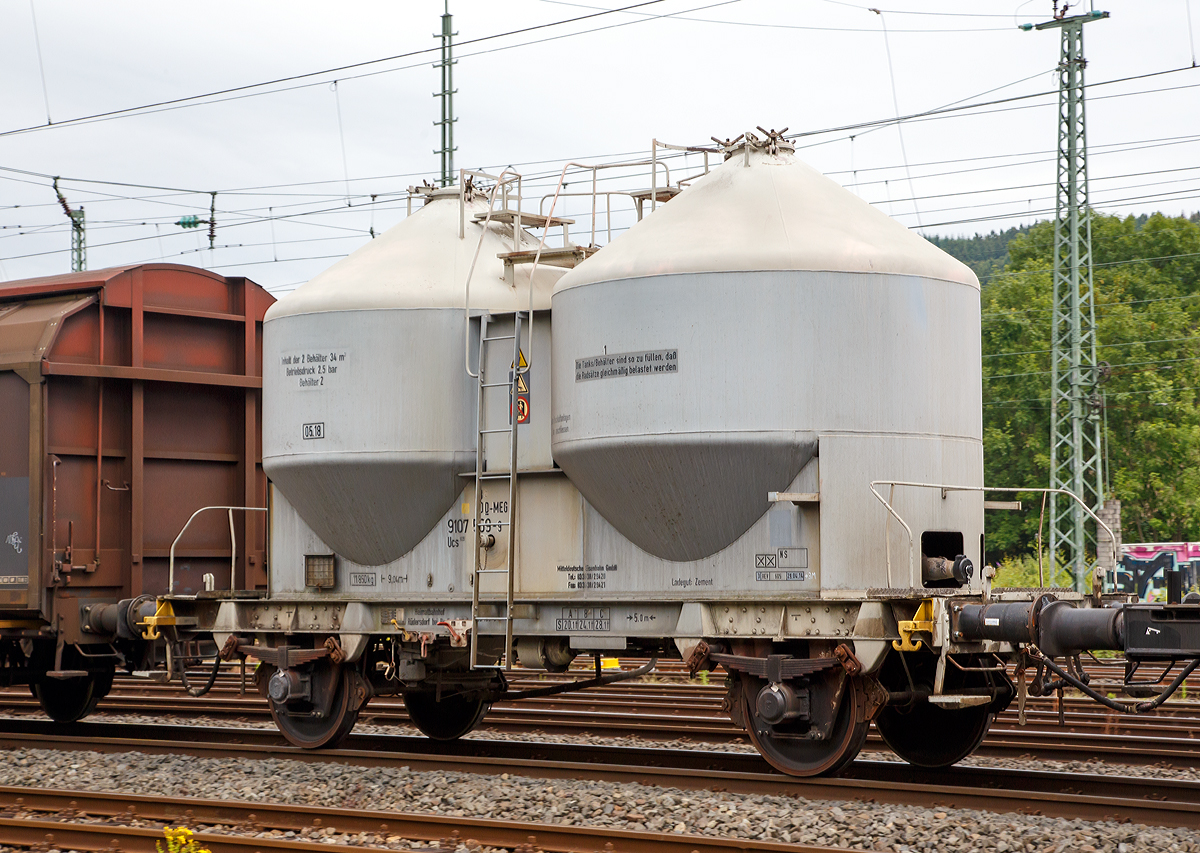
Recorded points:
(258,817)
(140,395)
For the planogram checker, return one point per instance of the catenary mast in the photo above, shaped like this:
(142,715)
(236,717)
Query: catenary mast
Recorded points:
(446,64)
(78,232)
(1076,457)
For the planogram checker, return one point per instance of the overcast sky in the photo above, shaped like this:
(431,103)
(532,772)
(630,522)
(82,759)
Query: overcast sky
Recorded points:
(296,163)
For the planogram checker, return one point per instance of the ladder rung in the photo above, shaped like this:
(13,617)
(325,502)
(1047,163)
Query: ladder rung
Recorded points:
(492,619)
(492,572)
(499,338)
(503,475)
(490,431)
(496,385)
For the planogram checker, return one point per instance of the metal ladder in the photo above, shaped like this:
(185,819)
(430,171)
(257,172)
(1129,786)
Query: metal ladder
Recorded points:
(484,539)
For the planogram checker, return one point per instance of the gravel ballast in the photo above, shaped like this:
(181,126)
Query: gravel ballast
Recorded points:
(1092,767)
(852,824)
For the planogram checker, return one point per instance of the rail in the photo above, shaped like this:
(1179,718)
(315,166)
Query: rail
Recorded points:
(912,559)
(232,542)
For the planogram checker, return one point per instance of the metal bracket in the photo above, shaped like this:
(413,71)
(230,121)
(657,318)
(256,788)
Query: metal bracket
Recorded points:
(1011,505)
(794,497)
(922,621)
(164,614)
(458,628)
(939,673)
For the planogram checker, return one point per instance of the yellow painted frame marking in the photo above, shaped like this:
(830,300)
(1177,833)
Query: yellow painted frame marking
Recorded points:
(922,621)
(164,614)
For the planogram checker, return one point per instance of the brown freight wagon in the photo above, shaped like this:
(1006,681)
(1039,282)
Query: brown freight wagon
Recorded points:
(129,398)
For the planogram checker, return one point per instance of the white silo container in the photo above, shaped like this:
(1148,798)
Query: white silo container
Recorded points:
(701,358)
(368,411)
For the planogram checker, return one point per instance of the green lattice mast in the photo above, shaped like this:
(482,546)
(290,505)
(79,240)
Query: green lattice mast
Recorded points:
(447,95)
(1076,457)
(78,232)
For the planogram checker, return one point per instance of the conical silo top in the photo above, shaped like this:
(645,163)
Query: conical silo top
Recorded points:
(423,263)
(764,209)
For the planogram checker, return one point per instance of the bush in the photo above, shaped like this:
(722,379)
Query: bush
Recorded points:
(1023,571)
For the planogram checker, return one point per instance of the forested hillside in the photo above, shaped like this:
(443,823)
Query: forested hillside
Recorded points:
(986,254)
(1147,284)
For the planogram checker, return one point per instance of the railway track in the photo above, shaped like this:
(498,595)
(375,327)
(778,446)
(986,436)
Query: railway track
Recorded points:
(1158,802)
(692,713)
(87,820)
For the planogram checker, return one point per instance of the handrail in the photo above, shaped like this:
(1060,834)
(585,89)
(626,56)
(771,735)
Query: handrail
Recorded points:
(501,181)
(596,191)
(948,488)
(542,245)
(463,174)
(608,194)
(656,144)
(232,539)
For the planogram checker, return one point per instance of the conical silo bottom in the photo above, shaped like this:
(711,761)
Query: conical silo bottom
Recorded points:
(683,497)
(372,508)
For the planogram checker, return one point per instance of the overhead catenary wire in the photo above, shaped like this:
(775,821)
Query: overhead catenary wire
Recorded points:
(905,12)
(1099,346)
(365,196)
(887,49)
(871,124)
(336,69)
(1173,195)
(337,100)
(341,208)
(1100,305)
(237,92)
(1171,389)
(941,111)
(778,26)
(216,96)
(349,196)
(1097,151)
(37,43)
(1187,5)
(1116,368)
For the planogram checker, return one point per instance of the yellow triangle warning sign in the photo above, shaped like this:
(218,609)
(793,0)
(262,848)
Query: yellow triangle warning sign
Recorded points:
(522,385)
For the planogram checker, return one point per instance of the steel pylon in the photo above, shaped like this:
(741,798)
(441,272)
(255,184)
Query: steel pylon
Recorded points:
(1076,456)
(78,232)
(78,241)
(446,64)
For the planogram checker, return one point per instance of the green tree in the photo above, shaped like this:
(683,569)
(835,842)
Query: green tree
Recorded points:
(1147,286)
(986,254)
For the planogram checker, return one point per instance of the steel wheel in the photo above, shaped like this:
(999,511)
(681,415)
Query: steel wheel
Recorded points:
(306,726)
(929,736)
(450,719)
(786,747)
(68,700)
